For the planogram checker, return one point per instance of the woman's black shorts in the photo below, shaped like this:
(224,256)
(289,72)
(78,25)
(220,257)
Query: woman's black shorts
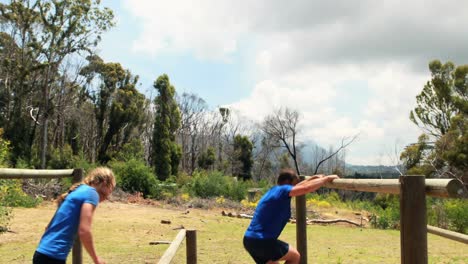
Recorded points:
(40,258)
(264,250)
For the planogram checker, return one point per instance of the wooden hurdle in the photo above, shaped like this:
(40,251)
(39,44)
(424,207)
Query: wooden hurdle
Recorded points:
(77,176)
(191,247)
(413,223)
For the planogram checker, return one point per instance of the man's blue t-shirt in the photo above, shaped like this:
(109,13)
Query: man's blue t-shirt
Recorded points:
(58,238)
(272,213)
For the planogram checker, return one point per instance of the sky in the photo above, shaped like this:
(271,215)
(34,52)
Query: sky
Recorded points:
(348,67)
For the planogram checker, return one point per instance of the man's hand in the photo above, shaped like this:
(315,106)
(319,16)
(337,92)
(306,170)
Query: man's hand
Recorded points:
(332,177)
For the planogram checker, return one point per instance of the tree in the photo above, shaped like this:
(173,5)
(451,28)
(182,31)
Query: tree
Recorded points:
(243,153)
(193,109)
(50,31)
(435,106)
(167,120)
(442,113)
(207,158)
(20,72)
(282,126)
(118,106)
(126,113)
(334,153)
(415,157)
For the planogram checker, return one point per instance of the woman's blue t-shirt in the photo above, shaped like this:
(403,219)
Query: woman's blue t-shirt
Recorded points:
(60,234)
(272,213)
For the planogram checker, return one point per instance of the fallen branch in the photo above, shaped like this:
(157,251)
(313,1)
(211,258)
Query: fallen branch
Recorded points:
(160,242)
(332,221)
(237,215)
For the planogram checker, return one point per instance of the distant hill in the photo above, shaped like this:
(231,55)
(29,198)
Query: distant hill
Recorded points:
(370,171)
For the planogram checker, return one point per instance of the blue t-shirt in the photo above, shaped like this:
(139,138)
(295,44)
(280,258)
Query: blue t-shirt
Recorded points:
(272,213)
(60,234)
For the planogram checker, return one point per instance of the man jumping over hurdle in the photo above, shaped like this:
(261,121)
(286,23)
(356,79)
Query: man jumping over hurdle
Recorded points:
(271,215)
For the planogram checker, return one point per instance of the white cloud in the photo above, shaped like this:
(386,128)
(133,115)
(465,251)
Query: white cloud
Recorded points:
(313,91)
(206,28)
(305,50)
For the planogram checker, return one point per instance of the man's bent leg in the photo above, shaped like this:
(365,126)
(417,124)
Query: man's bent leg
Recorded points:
(292,257)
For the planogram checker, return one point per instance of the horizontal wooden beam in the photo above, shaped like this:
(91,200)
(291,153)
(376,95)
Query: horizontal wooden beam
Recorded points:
(33,174)
(445,188)
(172,249)
(448,234)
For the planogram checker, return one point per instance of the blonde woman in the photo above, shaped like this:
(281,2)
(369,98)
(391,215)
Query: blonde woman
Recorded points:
(74,215)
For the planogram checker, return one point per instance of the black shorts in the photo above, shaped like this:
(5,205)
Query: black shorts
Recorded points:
(264,250)
(40,258)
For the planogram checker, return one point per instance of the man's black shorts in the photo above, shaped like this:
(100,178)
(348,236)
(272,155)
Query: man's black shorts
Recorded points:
(264,250)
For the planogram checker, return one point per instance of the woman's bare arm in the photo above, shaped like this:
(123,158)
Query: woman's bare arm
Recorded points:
(84,231)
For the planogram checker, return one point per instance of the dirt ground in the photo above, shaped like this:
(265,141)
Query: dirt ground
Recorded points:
(123,231)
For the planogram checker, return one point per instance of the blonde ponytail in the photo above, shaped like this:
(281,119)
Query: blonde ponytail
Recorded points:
(97,177)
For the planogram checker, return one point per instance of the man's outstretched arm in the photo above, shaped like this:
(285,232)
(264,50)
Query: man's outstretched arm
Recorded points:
(311,184)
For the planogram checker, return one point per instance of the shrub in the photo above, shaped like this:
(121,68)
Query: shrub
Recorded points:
(457,214)
(5,212)
(387,211)
(212,184)
(207,185)
(5,216)
(237,190)
(134,176)
(11,194)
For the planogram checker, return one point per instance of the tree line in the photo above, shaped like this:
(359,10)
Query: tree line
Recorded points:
(61,103)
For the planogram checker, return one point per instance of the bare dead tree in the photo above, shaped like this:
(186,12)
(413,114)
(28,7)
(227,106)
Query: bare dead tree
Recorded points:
(192,109)
(344,143)
(282,126)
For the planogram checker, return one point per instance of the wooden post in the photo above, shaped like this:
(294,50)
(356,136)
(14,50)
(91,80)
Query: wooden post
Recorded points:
(191,240)
(413,229)
(77,251)
(301,226)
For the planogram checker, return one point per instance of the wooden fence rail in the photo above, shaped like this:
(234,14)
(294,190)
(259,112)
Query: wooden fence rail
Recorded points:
(33,174)
(191,245)
(413,219)
(444,188)
(448,234)
(77,176)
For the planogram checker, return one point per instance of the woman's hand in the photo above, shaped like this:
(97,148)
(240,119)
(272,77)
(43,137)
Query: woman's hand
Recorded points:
(100,261)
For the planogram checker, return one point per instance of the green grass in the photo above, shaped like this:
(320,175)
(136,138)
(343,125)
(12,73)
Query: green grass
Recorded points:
(122,233)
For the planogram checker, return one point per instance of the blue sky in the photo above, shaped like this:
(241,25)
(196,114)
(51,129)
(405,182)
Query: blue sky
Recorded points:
(348,67)
(216,81)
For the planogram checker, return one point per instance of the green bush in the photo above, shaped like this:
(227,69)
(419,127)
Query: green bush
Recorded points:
(237,190)
(207,185)
(12,195)
(457,214)
(5,212)
(134,176)
(5,216)
(213,184)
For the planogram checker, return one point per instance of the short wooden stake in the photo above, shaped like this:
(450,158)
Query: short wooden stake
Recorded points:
(191,240)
